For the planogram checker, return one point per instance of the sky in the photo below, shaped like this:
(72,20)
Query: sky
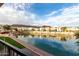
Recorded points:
(51,14)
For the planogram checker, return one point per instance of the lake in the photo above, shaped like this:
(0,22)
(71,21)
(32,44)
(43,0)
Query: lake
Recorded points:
(53,45)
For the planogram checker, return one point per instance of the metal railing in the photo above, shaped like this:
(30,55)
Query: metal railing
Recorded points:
(8,50)
(28,50)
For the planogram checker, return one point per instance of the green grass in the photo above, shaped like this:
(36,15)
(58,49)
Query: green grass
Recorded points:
(12,42)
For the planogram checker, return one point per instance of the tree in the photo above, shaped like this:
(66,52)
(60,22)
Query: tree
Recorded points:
(15,29)
(44,29)
(7,27)
(63,38)
(33,29)
(77,34)
(24,32)
(63,29)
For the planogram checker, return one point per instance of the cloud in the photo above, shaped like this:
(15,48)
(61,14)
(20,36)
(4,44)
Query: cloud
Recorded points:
(19,14)
(68,17)
(53,13)
(16,14)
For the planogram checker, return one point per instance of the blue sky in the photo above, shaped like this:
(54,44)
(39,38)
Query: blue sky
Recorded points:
(42,9)
(53,14)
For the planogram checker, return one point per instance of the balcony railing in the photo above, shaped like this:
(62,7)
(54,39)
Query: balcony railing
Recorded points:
(9,50)
(28,50)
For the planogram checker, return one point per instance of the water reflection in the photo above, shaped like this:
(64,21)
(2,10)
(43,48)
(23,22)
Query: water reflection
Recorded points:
(53,45)
(60,37)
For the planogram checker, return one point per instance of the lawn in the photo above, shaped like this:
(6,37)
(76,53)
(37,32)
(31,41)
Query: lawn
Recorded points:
(12,42)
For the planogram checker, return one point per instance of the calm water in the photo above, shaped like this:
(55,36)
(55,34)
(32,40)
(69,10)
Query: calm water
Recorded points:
(54,46)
